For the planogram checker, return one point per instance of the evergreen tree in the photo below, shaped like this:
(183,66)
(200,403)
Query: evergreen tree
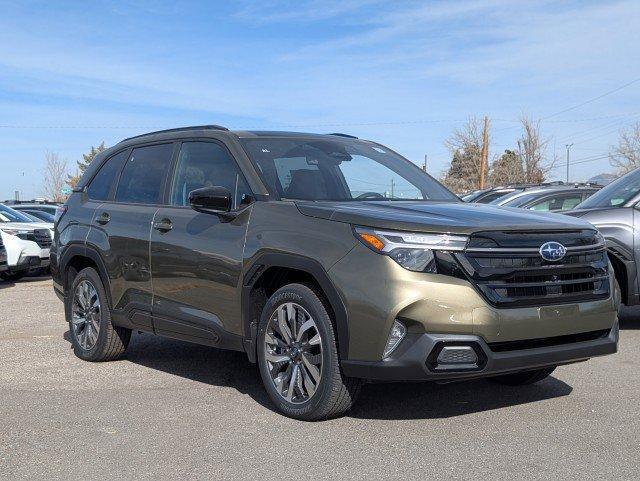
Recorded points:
(508,169)
(72,180)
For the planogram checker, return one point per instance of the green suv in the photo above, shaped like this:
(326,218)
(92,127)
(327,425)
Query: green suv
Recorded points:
(328,260)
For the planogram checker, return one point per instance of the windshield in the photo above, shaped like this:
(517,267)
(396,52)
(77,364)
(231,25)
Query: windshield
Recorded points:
(471,196)
(616,194)
(9,215)
(342,170)
(518,199)
(39,215)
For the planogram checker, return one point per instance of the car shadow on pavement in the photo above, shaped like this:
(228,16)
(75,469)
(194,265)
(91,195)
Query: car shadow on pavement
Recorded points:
(396,401)
(219,367)
(6,284)
(203,364)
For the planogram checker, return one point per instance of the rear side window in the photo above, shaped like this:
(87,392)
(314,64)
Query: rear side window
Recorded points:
(142,178)
(100,186)
(560,202)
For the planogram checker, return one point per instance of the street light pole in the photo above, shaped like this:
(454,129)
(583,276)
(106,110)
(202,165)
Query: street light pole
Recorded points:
(568,146)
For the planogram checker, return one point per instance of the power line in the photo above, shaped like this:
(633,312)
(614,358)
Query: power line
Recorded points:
(592,99)
(343,124)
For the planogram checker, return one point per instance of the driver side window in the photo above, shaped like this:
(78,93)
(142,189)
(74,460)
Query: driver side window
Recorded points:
(206,164)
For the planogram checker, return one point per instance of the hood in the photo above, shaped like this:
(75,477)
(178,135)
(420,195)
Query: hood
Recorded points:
(583,212)
(41,225)
(446,217)
(21,225)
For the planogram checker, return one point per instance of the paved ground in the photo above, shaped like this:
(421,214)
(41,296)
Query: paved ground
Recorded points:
(173,410)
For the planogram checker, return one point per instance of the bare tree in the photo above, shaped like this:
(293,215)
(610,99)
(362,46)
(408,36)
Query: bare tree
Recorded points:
(626,155)
(532,150)
(465,145)
(55,175)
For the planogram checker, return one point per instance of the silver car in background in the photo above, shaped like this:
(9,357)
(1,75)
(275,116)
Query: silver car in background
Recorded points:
(614,210)
(547,199)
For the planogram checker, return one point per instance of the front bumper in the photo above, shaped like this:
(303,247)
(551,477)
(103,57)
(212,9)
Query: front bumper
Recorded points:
(27,263)
(410,361)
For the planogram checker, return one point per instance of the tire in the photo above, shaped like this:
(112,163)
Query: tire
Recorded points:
(111,341)
(523,378)
(333,394)
(12,276)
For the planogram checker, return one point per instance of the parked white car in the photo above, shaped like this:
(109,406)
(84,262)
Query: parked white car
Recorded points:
(26,243)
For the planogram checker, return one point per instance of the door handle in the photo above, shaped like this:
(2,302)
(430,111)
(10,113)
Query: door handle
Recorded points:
(163,226)
(104,218)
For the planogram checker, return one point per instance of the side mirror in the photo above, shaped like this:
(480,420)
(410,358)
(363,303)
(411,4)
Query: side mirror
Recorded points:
(211,199)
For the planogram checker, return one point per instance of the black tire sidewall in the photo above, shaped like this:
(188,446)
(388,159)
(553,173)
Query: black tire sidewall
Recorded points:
(90,275)
(305,297)
(13,276)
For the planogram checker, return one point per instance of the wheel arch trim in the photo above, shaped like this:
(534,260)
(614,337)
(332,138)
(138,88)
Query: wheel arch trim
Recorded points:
(78,250)
(300,263)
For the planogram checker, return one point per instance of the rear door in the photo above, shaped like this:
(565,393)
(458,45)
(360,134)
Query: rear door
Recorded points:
(74,230)
(122,225)
(196,258)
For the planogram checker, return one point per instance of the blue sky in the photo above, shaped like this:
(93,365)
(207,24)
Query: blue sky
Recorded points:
(73,74)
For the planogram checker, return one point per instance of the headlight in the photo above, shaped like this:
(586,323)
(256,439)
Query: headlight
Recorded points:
(413,251)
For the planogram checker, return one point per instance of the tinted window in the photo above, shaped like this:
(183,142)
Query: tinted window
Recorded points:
(490,198)
(206,164)
(324,168)
(142,179)
(100,186)
(40,215)
(558,202)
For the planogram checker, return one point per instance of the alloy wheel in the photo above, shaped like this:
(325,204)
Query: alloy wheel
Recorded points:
(293,353)
(85,315)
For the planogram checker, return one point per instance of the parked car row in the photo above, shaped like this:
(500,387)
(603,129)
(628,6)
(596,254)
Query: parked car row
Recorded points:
(548,197)
(25,240)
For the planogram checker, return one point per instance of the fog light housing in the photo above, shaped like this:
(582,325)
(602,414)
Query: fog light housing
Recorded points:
(457,356)
(397,333)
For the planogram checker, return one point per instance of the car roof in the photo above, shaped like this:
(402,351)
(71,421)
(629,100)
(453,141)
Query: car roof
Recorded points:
(197,131)
(220,130)
(31,206)
(546,190)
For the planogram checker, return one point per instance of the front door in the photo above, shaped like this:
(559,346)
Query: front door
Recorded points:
(196,258)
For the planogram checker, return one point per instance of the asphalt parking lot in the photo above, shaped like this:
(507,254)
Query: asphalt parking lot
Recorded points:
(173,410)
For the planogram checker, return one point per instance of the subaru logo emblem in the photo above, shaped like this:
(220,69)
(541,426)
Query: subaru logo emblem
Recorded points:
(552,251)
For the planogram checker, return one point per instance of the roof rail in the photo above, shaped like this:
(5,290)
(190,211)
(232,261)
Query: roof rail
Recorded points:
(179,129)
(343,135)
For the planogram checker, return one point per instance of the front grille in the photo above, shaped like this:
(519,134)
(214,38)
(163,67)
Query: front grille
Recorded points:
(509,274)
(39,236)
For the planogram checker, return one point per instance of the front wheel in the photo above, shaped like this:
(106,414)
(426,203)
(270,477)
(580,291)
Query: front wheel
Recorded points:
(93,336)
(298,357)
(523,378)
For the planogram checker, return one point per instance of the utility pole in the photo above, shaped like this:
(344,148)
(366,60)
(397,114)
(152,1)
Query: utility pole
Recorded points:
(568,146)
(392,186)
(424,165)
(484,161)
